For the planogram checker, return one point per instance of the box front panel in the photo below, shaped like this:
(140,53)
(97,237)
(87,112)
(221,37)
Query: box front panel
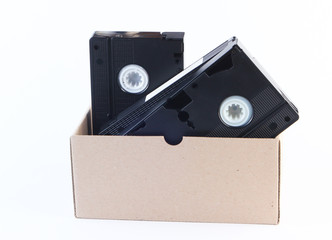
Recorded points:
(199,180)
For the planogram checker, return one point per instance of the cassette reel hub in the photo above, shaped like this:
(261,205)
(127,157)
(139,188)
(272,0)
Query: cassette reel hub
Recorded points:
(235,111)
(133,79)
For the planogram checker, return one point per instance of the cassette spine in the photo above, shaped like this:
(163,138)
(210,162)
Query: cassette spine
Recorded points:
(99,47)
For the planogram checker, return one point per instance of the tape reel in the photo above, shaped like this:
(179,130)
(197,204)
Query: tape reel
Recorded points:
(236,111)
(133,79)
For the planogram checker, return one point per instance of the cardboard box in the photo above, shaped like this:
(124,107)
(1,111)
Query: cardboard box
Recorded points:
(231,180)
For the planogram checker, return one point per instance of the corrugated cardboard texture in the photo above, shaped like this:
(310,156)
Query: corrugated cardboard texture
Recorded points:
(200,180)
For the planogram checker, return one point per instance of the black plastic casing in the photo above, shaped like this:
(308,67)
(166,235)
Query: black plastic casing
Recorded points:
(192,107)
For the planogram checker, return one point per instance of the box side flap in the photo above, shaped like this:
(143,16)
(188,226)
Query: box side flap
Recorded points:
(72,175)
(85,127)
(279,175)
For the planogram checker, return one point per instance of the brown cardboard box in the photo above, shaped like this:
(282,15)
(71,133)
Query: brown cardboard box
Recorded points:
(233,180)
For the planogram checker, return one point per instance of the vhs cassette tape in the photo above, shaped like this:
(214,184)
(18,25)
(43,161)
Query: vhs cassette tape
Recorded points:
(125,66)
(224,94)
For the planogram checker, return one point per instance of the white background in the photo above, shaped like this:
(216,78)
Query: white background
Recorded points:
(45,91)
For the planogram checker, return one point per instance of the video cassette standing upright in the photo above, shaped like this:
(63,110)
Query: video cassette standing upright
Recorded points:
(126,66)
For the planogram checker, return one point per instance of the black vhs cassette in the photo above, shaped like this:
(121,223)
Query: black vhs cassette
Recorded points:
(128,65)
(224,94)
